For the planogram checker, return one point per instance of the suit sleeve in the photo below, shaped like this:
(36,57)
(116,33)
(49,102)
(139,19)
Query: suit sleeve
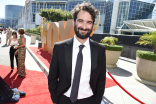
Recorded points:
(53,75)
(101,81)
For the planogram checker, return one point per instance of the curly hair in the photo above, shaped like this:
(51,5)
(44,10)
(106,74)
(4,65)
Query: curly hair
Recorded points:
(86,6)
(21,31)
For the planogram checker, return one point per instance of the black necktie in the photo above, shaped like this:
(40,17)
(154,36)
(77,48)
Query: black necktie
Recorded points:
(77,74)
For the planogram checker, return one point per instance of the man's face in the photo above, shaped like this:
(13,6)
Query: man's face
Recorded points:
(83,25)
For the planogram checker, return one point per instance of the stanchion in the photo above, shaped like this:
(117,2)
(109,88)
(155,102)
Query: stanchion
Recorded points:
(124,89)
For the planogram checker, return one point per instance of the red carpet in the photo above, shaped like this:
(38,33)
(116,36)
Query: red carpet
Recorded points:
(35,84)
(45,57)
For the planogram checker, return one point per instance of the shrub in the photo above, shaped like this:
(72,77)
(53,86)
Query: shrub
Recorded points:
(149,39)
(110,40)
(112,47)
(55,15)
(111,44)
(28,30)
(146,55)
(38,33)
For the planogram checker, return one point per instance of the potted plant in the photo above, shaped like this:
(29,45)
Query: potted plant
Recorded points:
(33,36)
(113,51)
(146,60)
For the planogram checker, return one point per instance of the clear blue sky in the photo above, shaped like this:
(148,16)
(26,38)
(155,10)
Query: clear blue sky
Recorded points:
(9,2)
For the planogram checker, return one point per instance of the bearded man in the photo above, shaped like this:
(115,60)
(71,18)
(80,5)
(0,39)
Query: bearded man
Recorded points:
(77,71)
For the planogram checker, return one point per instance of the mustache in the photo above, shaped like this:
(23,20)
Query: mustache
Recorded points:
(80,28)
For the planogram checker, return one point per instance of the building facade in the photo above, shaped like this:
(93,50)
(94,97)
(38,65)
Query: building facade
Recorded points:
(11,13)
(112,12)
(128,10)
(4,23)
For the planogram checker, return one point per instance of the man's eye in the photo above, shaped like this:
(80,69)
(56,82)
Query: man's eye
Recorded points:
(89,23)
(80,21)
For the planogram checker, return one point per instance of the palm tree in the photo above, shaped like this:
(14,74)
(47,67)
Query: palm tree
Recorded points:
(149,39)
(111,40)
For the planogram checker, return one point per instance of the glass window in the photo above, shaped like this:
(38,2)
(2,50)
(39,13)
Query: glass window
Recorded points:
(134,7)
(33,17)
(124,3)
(41,6)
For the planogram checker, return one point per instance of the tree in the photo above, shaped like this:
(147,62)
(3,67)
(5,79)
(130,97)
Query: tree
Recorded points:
(67,15)
(148,39)
(111,40)
(44,13)
(55,15)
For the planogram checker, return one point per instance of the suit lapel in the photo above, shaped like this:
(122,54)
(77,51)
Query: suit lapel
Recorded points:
(68,57)
(94,55)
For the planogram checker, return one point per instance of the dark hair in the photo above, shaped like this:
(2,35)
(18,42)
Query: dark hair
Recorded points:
(14,33)
(86,7)
(21,31)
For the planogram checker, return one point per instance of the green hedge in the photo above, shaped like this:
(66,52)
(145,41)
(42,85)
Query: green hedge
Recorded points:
(146,55)
(112,47)
(34,30)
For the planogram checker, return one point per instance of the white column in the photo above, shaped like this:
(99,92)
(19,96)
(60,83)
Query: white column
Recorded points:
(36,8)
(114,16)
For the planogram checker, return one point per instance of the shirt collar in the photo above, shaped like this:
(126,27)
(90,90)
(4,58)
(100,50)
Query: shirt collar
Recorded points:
(76,43)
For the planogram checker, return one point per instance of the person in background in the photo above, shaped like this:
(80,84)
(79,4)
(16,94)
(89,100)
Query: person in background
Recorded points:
(21,51)
(9,33)
(13,42)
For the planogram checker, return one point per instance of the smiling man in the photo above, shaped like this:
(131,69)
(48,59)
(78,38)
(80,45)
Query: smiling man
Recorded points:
(77,71)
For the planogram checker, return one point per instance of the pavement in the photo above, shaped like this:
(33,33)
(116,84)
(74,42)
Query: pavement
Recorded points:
(124,74)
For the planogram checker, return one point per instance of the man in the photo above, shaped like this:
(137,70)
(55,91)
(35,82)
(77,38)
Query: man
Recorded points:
(9,34)
(78,66)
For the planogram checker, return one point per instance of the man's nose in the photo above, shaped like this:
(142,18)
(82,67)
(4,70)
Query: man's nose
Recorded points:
(84,25)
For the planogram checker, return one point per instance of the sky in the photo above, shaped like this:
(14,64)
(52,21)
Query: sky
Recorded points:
(9,2)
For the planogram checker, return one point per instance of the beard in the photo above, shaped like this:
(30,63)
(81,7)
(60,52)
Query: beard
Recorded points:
(82,35)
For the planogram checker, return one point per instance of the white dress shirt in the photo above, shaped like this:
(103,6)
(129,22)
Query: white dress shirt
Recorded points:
(85,90)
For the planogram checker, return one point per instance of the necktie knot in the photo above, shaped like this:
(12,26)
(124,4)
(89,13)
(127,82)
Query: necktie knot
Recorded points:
(81,47)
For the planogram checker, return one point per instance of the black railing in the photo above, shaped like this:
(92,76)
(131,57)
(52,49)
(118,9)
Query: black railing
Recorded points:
(128,43)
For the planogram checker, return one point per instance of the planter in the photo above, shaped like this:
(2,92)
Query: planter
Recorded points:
(112,58)
(33,39)
(146,71)
(38,37)
(27,33)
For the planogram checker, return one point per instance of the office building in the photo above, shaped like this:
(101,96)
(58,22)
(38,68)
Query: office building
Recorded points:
(11,13)
(113,13)
(4,23)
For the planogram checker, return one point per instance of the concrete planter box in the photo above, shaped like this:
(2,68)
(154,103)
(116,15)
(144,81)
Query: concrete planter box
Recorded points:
(33,39)
(146,71)
(38,37)
(27,33)
(112,58)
